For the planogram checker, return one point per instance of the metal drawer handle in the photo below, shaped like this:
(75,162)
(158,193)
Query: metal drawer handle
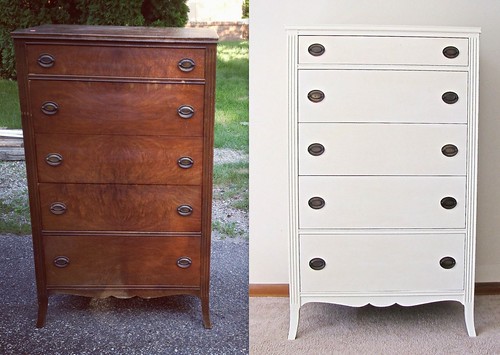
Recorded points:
(451,52)
(448,203)
(50,108)
(46,60)
(316,203)
(186,65)
(61,261)
(185,162)
(54,159)
(185,210)
(449,150)
(450,97)
(185,111)
(317,264)
(184,262)
(316,49)
(315,95)
(58,208)
(447,262)
(316,149)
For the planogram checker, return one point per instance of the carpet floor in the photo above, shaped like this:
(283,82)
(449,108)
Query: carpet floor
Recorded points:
(437,328)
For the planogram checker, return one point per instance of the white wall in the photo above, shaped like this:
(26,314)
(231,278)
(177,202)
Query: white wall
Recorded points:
(214,10)
(268,114)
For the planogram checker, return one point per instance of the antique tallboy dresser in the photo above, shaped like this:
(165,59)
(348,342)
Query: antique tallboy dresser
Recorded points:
(382,166)
(118,131)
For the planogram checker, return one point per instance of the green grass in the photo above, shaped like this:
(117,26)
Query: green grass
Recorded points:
(231,183)
(10,114)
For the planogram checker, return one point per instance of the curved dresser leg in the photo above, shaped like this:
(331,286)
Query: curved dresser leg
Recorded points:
(205,310)
(469,319)
(43,302)
(294,321)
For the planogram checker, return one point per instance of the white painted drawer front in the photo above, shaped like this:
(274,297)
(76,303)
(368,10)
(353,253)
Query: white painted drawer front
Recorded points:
(381,202)
(383,50)
(381,149)
(382,96)
(381,263)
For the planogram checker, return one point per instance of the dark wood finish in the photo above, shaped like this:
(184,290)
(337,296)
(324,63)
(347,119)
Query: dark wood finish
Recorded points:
(268,290)
(120,159)
(102,139)
(487,288)
(138,108)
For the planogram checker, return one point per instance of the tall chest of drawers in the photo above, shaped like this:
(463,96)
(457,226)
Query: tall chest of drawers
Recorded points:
(118,131)
(382,166)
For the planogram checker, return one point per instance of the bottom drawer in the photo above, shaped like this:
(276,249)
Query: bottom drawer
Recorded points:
(381,263)
(116,261)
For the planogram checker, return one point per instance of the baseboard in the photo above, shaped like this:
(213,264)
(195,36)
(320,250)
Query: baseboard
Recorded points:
(281,290)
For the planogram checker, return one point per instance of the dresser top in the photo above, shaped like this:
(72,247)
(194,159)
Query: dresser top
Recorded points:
(429,31)
(112,33)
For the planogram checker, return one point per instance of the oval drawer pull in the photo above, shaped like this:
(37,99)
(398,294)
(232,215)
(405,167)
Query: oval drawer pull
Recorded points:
(54,159)
(447,262)
(316,149)
(317,264)
(184,262)
(450,97)
(316,203)
(448,203)
(451,52)
(185,210)
(185,111)
(449,150)
(316,49)
(61,261)
(46,60)
(58,208)
(186,65)
(185,162)
(50,108)
(315,95)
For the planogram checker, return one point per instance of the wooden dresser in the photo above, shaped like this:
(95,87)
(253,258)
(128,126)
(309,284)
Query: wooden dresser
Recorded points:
(382,166)
(118,131)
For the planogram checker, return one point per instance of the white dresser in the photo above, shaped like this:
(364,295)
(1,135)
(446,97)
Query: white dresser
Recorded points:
(382,166)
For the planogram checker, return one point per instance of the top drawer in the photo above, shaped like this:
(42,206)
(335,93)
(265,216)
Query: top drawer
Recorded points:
(119,61)
(383,50)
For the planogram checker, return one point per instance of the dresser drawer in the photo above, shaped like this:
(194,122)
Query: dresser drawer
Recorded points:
(381,202)
(117,108)
(119,159)
(383,50)
(122,261)
(116,207)
(382,96)
(382,149)
(362,263)
(116,61)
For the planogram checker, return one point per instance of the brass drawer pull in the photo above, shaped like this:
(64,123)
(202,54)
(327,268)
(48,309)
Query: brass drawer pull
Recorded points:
(186,65)
(54,159)
(185,111)
(315,95)
(317,264)
(185,162)
(46,60)
(316,49)
(316,203)
(50,108)
(449,150)
(185,210)
(58,208)
(450,97)
(448,203)
(451,52)
(184,262)
(447,262)
(61,261)
(316,149)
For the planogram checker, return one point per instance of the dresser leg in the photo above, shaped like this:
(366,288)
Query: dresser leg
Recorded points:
(205,310)
(294,321)
(43,302)
(469,319)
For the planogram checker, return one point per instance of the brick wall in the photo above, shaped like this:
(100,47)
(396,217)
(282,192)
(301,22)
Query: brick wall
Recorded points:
(227,31)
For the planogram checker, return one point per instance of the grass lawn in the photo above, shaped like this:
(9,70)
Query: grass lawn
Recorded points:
(10,114)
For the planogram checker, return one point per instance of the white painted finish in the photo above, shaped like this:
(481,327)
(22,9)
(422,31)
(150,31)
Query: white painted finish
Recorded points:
(383,50)
(357,263)
(382,149)
(381,202)
(382,96)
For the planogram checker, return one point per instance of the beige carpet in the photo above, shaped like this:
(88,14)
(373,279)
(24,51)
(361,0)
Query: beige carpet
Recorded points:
(437,328)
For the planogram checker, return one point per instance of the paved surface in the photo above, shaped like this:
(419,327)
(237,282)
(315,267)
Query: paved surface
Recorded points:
(81,325)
